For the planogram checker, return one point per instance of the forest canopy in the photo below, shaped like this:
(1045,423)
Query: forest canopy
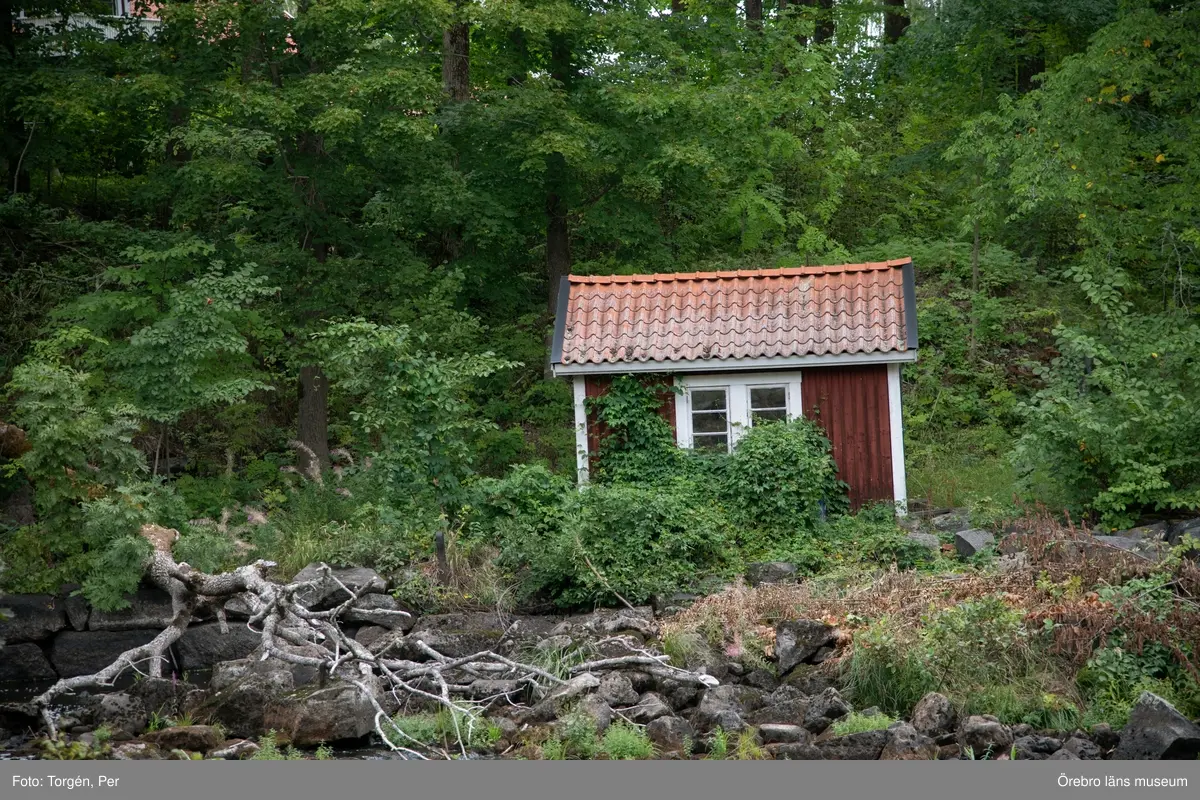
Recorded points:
(281,274)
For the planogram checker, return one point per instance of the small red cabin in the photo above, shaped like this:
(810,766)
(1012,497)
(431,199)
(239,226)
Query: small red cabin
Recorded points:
(823,342)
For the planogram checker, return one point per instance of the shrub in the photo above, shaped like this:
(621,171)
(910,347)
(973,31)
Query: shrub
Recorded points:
(887,670)
(625,742)
(779,475)
(637,445)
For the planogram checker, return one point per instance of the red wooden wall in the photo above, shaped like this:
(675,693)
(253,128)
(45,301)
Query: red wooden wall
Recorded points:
(851,403)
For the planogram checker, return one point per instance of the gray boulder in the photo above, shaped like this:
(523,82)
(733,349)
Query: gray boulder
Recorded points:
(308,717)
(235,750)
(970,542)
(383,610)
(617,690)
(1157,731)
(34,617)
(1035,748)
(721,707)
(120,711)
(778,733)
(192,738)
(934,715)
(1178,530)
(24,663)
(952,521)
(1085,749)
(786,705)
(326,593)
(205,645)
(795,751)
(671,734)
(906,743)
(865,746)
(148,608)
(557,701)
(1063,755)
(985,736)
(368,635)
(824,709)
(799,641)
(770,572)
(595,709)
(926,540)
(1151,550)
(240,693)
(650,707)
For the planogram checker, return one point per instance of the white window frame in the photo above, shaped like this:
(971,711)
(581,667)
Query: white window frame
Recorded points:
(737,386)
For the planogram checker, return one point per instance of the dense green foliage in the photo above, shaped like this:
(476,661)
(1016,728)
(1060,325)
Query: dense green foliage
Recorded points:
(201,215)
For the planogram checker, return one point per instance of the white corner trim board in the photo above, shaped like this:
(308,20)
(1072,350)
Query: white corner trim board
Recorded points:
(581,439)
(896,423)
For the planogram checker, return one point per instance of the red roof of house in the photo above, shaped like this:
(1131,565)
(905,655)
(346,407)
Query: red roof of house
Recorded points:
(746,314)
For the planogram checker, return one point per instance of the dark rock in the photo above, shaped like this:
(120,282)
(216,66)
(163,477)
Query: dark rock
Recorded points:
(33,617)
(985,736)
(1021,729)
(934,715)
(193,738)
(554,703)
(1156,731)
(721,707)
(77,609)
(608,622)
(591,706)
(120,711)
(650,707)
(486,689)
(970,542)
(308,717)
(776,733)
(24,663)
(617,690)
(671,734)
(381,609)
(906,743)
(327,594)
(368,635)
(83,652)
(148,608)
(1104,736)
(824,709)
(17,509)
(1063,755)
(865,746)
(761,679)
(796,751)
(952,521)
(1178,530)
(1151,550)
(797,641)
(160,695)
(643,681)
(1156,532)
(235,750)
(240,693)
(926,540)
(204,645)
(1035,748)
(1083,748)
(770,572)
(674,603)
(786,705)
(948,752)
(457,635)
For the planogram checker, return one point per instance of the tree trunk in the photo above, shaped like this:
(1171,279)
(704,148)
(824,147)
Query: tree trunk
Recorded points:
(558,252)
(456,61)
(314,419)
(895,20)
(754,14)
(824,30)
(678,7)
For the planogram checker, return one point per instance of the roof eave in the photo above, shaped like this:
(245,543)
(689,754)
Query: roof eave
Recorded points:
(733,364)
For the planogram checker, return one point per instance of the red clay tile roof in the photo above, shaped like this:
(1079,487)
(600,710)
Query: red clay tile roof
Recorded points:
(807,311)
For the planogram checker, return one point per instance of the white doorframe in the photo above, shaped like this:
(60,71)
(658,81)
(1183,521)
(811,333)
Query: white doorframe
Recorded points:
(581,434)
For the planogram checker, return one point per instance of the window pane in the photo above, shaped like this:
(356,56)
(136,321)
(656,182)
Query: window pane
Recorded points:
(768,397)
(708,400)
(773,415)
(711,422)
(711,442)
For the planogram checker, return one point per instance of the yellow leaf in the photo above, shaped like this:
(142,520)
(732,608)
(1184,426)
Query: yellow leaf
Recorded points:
(1159,158)
(1083,216)
(1145,42)
(1072,166)
(1089,99)
(1110,89)
(1126,98)
(1154,355)
(1089,184)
